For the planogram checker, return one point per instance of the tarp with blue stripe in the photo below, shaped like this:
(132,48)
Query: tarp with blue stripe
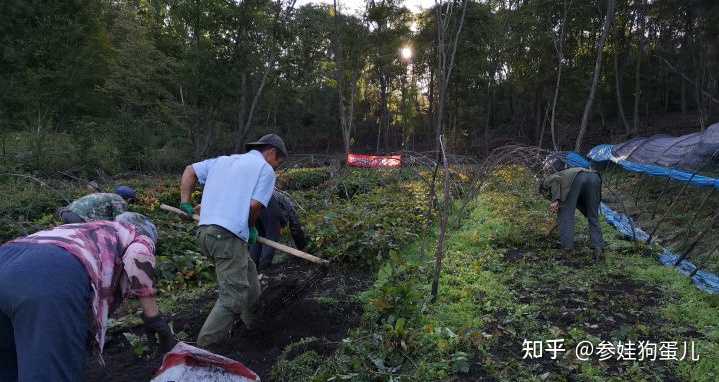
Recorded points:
(603,153)
(685,158)
(706,281)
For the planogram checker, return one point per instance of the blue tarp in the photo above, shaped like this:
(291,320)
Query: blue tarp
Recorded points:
(577,160)
(689,152)
(705,281)
(603,153)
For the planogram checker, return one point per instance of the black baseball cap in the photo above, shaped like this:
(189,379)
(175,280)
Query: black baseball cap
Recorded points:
(273,140)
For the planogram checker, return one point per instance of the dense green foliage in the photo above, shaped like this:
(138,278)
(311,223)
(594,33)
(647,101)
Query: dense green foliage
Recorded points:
(381,211)
(358,217)
(303,178)
(30,205)
(154,84)
(504,282)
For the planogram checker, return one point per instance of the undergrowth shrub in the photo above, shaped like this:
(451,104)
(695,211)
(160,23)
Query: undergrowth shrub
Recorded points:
(406,337)
(294,179)
(360,181)
(364,229)
(293,370)
(28,205)
(386,209)
(396,292)
(179,265)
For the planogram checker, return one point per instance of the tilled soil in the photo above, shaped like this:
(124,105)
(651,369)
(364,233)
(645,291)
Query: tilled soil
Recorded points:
(300,301)
(613,307)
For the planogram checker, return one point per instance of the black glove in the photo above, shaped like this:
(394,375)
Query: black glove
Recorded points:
(156,325)
(298,236)
(301,243)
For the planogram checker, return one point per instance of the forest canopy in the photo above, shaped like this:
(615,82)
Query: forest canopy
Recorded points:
(150,85)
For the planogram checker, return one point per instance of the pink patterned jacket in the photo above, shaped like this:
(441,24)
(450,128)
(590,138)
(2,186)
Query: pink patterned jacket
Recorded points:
(119,261)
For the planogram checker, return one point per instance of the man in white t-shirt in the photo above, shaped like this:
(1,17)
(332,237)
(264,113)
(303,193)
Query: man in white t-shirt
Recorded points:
(237,187)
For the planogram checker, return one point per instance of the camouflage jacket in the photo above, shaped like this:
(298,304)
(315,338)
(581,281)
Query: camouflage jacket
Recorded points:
(98,206)
(119,261)
(558,185)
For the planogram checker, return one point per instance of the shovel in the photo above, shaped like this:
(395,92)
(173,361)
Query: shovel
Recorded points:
(278,246)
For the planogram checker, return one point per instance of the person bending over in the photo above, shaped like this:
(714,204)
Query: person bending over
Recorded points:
(575,188)
(98,206)
(58,287)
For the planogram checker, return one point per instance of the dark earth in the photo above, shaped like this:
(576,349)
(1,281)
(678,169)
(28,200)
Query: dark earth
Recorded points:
(606,310)
(300,301)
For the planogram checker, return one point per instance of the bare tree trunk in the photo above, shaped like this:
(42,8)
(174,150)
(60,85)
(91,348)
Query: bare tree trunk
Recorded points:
(3,144)
(490,114)
(684,97)
(701,76)
(431,99)
(446,60)
(597,70)
(700,102)
(552,125)
(618,87)
(559,49)
(241,133)
(383,109)
(247,123)
(444,217)
(441,63)
(686,52)
(544,126)
(446,64)
(637,70)
(667,79)
(38,139)
(537,116)
(350,113)
(345,119)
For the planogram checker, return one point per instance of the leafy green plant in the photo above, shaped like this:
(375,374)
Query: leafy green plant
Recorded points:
(363,230)
(303,178)
(460,362)
(139,346)
(295,370)
(359,181)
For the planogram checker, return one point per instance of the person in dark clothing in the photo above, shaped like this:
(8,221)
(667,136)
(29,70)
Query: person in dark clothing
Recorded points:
(280,212)
(571,189)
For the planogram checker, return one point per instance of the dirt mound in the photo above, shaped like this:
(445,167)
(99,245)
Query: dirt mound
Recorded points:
(301,301)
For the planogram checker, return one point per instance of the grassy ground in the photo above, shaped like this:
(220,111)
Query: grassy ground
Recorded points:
(681,213)
(505,282)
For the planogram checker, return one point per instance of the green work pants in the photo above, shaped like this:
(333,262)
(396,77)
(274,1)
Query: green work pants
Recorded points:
(237,282)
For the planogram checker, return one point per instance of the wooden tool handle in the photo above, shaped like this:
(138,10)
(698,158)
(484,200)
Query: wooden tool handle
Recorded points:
(264,241)
(178,211)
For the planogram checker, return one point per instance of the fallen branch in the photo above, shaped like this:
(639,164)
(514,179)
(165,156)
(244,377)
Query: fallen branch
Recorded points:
(39,181)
